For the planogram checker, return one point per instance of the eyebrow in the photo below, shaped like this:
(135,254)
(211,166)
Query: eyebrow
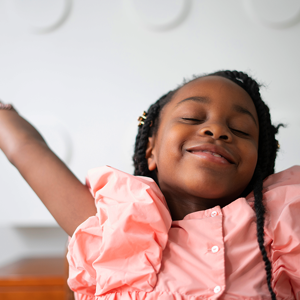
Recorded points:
(196,99)
(206,100)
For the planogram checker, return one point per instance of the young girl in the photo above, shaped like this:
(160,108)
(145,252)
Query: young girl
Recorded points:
(190,226)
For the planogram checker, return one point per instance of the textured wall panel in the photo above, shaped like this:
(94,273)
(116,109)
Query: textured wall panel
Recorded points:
(274,13)
(39,16)
(156,14)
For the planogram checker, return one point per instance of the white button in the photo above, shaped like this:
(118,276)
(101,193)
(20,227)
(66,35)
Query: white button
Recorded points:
(215,249)
(217,289)
(214,213)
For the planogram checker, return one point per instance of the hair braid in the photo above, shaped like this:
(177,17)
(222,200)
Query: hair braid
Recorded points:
(260,216)
(144,132)
(141,166)
(267,150)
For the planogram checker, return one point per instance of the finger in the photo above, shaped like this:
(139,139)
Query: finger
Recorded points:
(6,106)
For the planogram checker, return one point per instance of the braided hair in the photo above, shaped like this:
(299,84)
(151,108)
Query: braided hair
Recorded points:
(267,149)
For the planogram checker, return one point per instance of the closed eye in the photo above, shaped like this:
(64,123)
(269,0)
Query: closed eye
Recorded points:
(240,132)
(192,120)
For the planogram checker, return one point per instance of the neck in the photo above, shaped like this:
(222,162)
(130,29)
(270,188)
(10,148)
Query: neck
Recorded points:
(182,205)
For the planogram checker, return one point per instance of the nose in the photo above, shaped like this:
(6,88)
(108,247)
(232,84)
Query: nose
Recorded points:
(216,131)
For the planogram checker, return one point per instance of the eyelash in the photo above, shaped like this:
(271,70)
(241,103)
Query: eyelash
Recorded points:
(232,129)
(241,132)
(191,119)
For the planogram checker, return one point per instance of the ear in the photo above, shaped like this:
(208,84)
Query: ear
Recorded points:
(150,154)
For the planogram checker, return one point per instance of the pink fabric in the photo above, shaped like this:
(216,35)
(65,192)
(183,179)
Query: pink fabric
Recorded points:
(132,250)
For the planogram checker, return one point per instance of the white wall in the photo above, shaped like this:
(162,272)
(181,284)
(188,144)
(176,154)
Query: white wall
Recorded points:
(83,73)
(18,242)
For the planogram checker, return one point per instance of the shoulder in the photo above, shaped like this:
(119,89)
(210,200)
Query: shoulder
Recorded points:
(130,229)
(281,196)
(110,181)
(121,195)
(282,190)
(288,177)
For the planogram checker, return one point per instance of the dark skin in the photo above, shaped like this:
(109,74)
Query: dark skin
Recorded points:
(216,119)
(205,149)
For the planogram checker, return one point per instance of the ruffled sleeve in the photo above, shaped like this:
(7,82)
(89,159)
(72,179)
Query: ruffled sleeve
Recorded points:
(282,195)
(121,247)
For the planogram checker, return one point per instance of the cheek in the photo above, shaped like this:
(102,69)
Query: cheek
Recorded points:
(169,152)
(172,142)
(250,157)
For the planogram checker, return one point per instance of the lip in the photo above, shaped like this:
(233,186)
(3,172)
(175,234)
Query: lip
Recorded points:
(213,148)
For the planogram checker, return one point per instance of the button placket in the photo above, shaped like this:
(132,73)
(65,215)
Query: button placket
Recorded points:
(217,250)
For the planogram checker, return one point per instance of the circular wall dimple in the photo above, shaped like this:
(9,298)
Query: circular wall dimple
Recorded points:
(39,16)
(274,13)
(157,15)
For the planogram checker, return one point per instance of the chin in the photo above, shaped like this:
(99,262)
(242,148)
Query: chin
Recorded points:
(214,192)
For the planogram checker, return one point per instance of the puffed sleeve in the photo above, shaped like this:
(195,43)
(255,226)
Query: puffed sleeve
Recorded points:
(122,245)
(283,229)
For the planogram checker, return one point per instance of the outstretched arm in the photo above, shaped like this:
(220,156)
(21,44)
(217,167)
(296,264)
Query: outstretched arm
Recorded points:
(67,199)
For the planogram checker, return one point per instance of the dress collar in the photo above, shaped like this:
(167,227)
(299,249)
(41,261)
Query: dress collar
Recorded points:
(226,210)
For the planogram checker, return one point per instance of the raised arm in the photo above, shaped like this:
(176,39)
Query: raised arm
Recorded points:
(67,199)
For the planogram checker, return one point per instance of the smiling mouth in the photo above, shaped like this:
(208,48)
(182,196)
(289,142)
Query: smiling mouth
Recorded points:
(210,155)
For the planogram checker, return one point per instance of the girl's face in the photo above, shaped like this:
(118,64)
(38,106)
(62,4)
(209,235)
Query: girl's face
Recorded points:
(205,149)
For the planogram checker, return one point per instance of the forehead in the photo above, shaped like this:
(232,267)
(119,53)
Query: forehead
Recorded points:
(218,90)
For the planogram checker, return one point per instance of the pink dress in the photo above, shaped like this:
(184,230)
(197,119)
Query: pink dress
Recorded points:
(132,250)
